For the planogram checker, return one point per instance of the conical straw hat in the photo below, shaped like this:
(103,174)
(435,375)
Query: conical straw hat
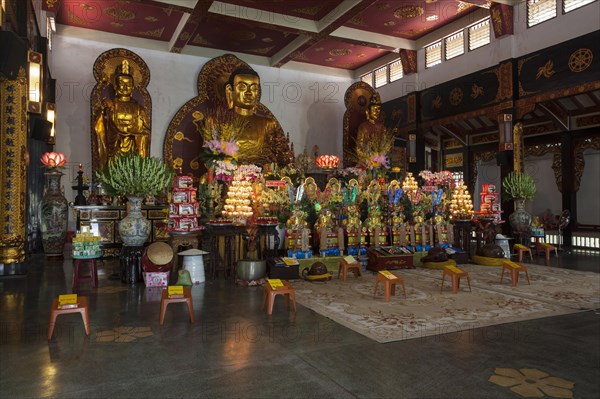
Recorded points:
(159,253)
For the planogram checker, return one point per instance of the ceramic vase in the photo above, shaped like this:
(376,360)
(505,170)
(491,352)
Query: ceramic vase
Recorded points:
(134,228)
(520,219)
(53,215)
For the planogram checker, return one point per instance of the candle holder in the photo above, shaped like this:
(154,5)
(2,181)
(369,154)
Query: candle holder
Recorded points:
(80,187)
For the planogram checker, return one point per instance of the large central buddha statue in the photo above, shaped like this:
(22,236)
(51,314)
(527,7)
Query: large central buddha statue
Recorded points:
(261,139)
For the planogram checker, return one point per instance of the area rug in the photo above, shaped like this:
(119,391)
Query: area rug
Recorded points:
(426,311)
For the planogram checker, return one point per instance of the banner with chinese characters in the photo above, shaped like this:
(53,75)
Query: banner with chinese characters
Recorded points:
(13,172)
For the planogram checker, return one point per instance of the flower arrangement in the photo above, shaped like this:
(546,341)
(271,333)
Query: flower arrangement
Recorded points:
(518,186)
(276,202)
(134,175)
(53,160)
(224,170)
(220,147)
(441,178)
(248,173)
(377,160)
(374,155)
(293,173)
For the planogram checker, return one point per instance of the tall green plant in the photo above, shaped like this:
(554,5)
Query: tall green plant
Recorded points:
(133,175)
(518,185)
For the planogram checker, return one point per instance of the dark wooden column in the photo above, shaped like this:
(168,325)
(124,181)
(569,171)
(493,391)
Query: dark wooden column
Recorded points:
(568,196)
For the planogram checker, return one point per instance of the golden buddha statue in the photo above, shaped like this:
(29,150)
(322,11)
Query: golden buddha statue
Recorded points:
(123,124)
(372,128)
(373,140)
(261,140)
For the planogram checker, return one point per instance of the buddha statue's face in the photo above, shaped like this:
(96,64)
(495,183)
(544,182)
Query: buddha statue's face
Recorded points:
(124,86)
(245,92)
(374,111)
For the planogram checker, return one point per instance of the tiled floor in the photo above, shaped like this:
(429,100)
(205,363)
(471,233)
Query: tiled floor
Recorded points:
(235,350)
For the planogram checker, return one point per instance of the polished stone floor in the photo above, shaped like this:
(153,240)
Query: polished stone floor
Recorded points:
(234,350)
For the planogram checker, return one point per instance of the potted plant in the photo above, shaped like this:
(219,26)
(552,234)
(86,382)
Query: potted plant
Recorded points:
(519,187)
(135,177)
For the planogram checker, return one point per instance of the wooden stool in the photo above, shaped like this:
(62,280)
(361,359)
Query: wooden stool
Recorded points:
(521,249)
(79,277)
(82,307)
(270,292)
(455,273)
(389,281)
(165,300)
(344,267)
(549,248)
(514,269)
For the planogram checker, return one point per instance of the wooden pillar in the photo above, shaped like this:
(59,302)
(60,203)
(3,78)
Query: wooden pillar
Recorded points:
(568,195)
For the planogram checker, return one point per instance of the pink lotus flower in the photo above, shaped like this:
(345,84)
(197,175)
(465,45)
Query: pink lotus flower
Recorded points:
(53,159)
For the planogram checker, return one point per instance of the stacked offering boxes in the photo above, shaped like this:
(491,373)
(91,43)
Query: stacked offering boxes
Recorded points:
(86,245)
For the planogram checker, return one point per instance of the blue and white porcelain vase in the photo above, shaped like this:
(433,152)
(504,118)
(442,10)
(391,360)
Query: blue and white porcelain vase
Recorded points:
(134,228)
(53,215)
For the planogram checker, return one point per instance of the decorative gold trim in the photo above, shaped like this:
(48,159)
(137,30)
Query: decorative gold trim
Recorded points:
(580,60)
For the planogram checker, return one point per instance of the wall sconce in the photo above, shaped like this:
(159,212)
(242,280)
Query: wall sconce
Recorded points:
(51,117)
(412,148)
(34,103)
(505,136)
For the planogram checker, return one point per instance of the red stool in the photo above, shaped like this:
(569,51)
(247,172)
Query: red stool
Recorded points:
(514,269)
(165,300)
(455,273)
(269,294)
(522,249)
(549,248)
(82,308)
(78,276)
(389,281)
(345,267)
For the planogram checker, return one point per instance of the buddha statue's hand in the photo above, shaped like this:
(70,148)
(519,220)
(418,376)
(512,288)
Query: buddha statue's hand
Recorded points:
(107,103)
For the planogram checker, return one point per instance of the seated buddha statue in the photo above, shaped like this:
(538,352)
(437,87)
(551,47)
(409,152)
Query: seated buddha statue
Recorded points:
(371,132)
(261,140)
(123,125)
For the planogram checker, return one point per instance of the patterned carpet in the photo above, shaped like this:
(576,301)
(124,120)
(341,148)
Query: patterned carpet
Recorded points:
(426,311)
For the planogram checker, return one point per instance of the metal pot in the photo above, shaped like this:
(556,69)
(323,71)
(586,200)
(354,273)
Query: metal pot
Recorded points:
(251,269)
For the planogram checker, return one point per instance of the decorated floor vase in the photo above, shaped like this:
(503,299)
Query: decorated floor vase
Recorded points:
(134,228)
(53,215)
(520,218)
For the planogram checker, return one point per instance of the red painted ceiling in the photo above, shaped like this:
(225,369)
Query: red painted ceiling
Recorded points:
(281,30)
